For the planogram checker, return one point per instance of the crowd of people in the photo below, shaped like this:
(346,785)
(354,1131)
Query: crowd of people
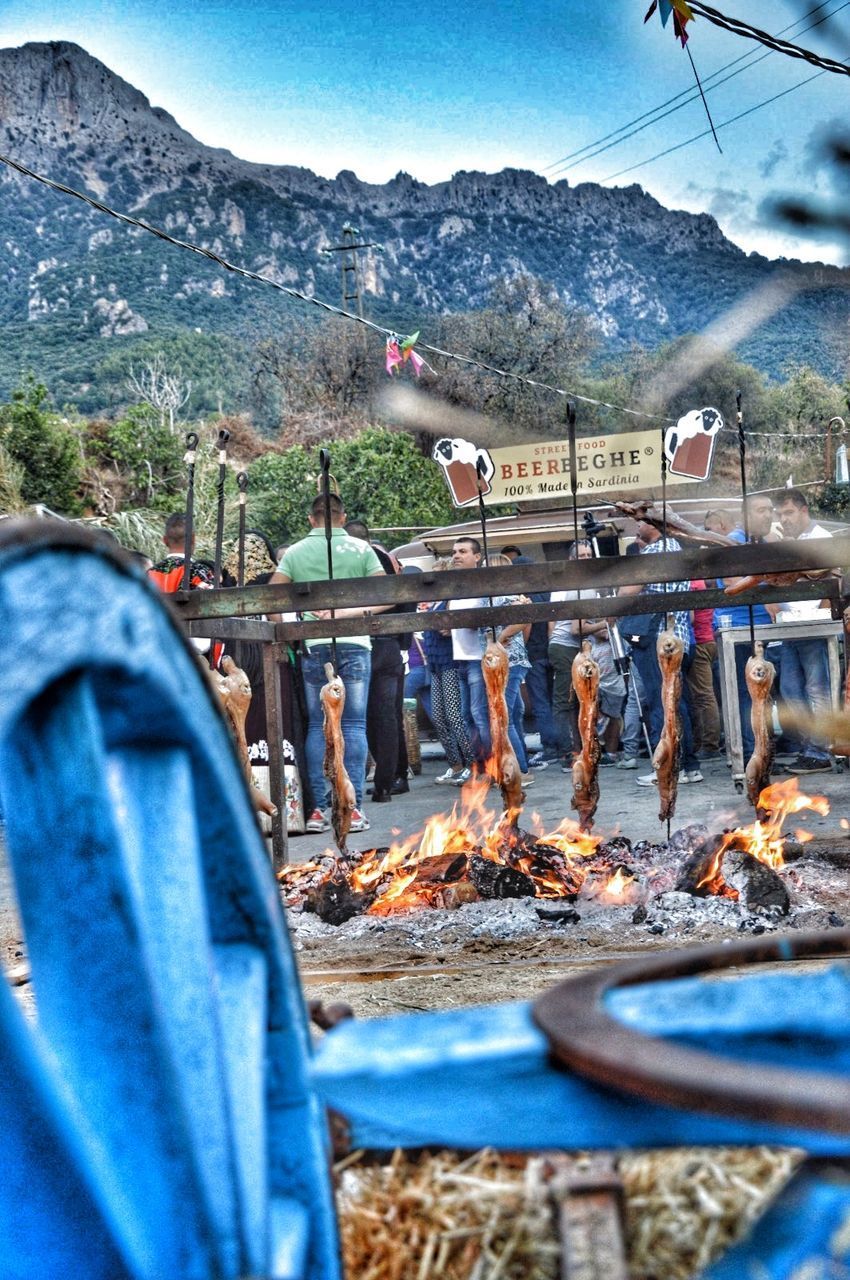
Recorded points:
(441,668)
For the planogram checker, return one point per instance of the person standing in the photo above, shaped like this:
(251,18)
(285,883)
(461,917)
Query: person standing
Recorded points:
(759,520)
(645,658)
(563,648)
(805,663)
(467,652)
(307,561)
(700,684)
(539,681)
(384,708)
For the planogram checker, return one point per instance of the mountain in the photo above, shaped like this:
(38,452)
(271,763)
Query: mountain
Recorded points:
(82,289)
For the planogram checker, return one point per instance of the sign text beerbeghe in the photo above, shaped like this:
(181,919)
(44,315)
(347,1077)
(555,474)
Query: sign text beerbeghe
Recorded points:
(626,461)
(602,462)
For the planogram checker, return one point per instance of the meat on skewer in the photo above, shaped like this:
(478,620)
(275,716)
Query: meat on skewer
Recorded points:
(234,692)
(585,675)
(759,675)
(343,800)
(494,666)
(677,526)
(665,760)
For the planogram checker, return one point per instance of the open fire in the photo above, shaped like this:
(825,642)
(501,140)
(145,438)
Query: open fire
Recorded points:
(462,857)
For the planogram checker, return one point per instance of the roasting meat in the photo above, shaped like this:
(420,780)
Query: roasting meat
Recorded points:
(665,760)
(343,800)
(759,674)
(586,765)
(234,692)
(677,526)
(503,760)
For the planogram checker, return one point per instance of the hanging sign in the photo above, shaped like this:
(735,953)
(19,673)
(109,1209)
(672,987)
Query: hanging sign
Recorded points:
(534,472)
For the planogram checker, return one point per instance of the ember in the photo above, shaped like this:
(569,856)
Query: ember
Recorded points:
(763,839)
(462,857)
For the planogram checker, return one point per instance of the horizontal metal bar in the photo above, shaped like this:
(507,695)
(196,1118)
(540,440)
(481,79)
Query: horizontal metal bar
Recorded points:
(231,629)
(384,624)
(558,575)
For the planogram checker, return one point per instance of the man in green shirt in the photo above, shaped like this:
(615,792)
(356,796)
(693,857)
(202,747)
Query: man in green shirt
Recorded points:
(307,561)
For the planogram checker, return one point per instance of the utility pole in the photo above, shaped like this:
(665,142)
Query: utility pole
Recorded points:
(350,266)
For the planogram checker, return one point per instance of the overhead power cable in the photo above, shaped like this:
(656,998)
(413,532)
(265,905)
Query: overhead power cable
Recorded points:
(684,97)
(706,133)
(311,300)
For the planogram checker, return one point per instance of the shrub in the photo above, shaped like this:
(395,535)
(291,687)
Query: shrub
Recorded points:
(44,448)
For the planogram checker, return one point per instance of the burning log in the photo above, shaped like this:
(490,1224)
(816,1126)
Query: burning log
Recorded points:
(334,901)
(756,884)
(494,880)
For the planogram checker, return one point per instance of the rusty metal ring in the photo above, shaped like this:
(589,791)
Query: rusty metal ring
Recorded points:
(587,1039)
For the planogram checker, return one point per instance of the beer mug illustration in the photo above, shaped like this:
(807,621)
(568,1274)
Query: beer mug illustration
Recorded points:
(463,463)
(689,445)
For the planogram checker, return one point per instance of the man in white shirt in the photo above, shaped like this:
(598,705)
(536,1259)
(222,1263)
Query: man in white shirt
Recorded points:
(467,651)
(804,666)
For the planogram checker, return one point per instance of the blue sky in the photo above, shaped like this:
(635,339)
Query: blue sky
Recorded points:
(443,86)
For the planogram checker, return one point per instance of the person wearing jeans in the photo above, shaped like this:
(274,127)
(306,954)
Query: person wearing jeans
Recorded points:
(307,561)
(805,665)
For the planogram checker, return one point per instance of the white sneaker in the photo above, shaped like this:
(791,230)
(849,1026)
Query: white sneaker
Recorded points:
(317,822)
(527,779)
(647,780)
(358,821)
(691,775)
(460,779)
(448,777)
(627,762)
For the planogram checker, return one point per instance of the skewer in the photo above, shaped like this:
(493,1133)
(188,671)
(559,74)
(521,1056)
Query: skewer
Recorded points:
(664,545)
(242,485)
(479,475)
(571,436)
(742,453)
(223,437)
(189,459)
(325,464)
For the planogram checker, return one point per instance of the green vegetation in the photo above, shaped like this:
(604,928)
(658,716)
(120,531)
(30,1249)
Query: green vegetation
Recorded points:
(45,463)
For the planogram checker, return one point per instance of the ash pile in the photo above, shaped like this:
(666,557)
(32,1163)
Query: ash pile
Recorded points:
(509,882)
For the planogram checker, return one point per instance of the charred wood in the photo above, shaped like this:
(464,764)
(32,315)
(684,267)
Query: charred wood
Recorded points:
(334,901)
(493,880)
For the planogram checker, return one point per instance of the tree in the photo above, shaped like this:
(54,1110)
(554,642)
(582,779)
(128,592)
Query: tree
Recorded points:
(525,330)
(382,476)
(146,455)
(165,391)
(43,447)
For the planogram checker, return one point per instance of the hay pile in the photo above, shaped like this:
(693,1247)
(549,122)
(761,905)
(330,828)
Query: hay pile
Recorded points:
(490,1216)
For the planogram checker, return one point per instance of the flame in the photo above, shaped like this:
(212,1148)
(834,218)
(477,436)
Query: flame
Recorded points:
(405,874)
(763,838)
(421,869)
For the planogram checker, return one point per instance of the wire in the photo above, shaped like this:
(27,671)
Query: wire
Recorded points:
(246,274)
(339,311)
(739,28)
(707,132)
(596,148)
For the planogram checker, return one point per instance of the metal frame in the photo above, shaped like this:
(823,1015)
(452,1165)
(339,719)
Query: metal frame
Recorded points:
(222,613)
(730,637)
